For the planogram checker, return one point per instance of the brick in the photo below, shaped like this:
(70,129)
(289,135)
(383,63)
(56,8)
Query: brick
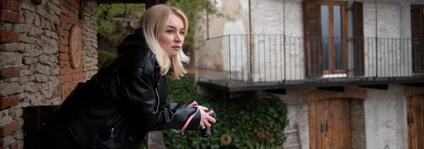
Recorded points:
(66,25)
(9,72)
(76,70)
(63,33)
(65,78)
(9,16)
(78,76)
(9,128)
(67,87)
(65,94)
(6,36)
(63,56)
(64,41)
(6,102)
(64,64)
(63,71)
(65,18)
(74,3)
(63,49)
(10,4)
(70,14)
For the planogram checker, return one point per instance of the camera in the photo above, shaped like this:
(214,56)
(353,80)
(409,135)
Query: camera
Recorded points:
(207,131)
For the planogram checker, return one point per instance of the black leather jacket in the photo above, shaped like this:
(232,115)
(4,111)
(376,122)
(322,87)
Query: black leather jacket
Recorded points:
(118,105)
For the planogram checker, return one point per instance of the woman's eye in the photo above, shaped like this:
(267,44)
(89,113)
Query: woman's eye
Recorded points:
(170,31)
(182,32)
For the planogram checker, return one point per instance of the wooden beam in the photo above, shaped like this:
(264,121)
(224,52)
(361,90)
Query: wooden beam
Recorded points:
(333,88)
(376,86)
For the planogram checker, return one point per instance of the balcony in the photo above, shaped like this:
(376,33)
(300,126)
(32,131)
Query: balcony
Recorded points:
(240,62)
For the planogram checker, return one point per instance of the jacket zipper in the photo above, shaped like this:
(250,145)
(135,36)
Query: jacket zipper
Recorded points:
(112,130)
(157,94)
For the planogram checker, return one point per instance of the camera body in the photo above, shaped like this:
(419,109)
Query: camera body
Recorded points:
(207,131)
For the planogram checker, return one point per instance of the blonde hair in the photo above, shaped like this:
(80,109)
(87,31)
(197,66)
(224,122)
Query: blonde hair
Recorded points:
(154,22)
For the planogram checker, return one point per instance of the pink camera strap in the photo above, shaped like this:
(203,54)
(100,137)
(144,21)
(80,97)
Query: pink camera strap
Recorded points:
(193,104)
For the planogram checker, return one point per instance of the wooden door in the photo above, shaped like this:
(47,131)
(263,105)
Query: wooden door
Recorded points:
(415,119)
(329,124)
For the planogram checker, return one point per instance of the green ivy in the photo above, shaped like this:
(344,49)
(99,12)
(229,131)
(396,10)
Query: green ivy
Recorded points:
(112,30)
(250,122)
(104,58)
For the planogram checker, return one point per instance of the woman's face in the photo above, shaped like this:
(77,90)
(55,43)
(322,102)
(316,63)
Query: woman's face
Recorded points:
(172,39)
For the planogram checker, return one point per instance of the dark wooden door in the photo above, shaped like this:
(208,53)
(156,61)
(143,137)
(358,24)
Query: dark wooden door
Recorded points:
(415,118)
(329,124)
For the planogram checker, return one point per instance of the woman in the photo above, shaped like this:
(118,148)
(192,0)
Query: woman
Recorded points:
(117,106)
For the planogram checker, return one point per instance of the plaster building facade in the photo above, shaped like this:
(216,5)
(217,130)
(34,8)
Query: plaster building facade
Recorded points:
(351,69)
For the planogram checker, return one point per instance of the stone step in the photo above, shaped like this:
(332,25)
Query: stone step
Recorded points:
(291,137)
(291,146)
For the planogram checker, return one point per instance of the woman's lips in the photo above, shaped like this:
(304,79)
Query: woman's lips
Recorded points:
(176,47)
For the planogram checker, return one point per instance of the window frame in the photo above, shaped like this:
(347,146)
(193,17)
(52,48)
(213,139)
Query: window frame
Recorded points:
(344,6)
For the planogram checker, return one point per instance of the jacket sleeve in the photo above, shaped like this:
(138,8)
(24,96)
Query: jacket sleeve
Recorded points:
(145,108)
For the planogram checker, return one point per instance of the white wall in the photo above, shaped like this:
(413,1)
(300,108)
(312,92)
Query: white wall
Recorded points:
(385,118)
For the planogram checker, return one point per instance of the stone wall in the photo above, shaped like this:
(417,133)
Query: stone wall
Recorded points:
(34,58)
(89,36)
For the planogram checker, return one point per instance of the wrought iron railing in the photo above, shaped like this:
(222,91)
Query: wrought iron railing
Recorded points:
(279,58)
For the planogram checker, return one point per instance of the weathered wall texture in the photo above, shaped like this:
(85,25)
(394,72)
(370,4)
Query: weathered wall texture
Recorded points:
(34,41)
(297,131)
(394,32)
(217,52)
(385,118)
(277,44)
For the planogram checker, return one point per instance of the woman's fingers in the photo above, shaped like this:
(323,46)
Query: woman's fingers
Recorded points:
(202,125)
(206,123)
(205,119)
(202,108)
(211,119)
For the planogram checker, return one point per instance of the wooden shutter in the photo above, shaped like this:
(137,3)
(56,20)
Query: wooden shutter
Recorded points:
(358,35)
(415,121)
(417,33)
(312,36)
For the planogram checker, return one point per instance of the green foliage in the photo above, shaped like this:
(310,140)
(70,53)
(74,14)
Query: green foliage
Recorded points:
(104,58)
(251,123)
(113,30)
(193,8)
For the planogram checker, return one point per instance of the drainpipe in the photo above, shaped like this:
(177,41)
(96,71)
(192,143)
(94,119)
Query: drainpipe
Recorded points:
(376,39)
(284,38)
(250,45)
(207,25)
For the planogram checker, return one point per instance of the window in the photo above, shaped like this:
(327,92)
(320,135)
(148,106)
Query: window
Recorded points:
(333,34)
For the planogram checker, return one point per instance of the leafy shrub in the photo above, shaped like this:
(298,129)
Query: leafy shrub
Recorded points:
(104,58)
(250,122)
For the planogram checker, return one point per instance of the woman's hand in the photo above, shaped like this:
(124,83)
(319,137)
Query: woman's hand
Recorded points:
(205,118)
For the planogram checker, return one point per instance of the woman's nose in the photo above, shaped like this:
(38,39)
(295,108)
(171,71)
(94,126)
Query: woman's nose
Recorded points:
(178,38)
